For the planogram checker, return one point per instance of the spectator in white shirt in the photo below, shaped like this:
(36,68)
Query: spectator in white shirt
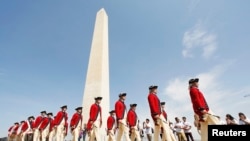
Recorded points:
(148,129)
(187,129)
(179,126)
(243,120)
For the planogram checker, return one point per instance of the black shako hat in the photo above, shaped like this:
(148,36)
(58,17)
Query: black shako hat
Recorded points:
(16,123)
(43,112)
(193,80)
(152,87)
(31,117)
(122,94)
(78,108)
(112,111)
(64,106)
(162,103)
(98,98)
(50,114)
(133,105)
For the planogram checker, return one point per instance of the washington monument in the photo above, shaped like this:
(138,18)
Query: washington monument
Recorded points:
(97,78)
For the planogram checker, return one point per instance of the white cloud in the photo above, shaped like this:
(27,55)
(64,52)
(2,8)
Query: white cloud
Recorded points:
(221,100)
(199,38)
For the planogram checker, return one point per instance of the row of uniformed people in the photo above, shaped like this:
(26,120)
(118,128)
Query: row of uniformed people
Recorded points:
(43,127)
(126,122)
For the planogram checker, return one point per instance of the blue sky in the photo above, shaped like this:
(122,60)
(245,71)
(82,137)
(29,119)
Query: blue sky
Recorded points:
(45,45)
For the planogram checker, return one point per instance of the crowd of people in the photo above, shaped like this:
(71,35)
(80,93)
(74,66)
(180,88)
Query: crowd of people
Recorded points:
(123,122)
(180,128)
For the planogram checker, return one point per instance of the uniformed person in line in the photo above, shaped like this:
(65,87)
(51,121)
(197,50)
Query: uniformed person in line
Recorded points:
(95,120)
(121,117)
(133,123)
(111,128)
(201,109)
(158,117)
(76,123)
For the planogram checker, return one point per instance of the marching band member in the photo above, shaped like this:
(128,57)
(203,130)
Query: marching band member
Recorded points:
(164,113)
(52,129)
(95,120)
(111,126)
(75,123)
(12,132)
(26,131)
(19,135)
(133,123)
(61,123)
(156,113)
(45,126)
(200,108)
(121,115)
(37,124)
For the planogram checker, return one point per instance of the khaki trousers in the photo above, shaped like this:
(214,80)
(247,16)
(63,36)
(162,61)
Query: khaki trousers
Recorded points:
(45,133)
(60,133)
(181,136)
(12,137)
(111,135)
(123,130)
(167,134)
(36,136)
(76,133)
(209,119)
(94,134)
(23,135)
(149,137)
(135,135)
(19,137)
(52,134)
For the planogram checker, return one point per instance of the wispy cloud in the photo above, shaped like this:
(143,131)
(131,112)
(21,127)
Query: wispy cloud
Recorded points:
(221,99)
(177,89)
(199,38)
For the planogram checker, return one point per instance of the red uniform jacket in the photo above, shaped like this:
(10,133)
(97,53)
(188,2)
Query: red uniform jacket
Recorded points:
(59,117)
(38,121)
(154,104)
(132,118)
(75,120)
(45,123)
(164,114)
(93,114)
(66,127)
(110,122)
(11,128)
(26,126)
(94,111)
(198,101)
(15,128)
(120,109)
(89,126)
(52,124)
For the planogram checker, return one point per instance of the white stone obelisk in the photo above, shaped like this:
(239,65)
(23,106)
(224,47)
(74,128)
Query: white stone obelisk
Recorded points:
(97,79)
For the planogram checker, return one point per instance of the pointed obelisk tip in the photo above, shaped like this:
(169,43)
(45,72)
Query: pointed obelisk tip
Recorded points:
(101,10)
